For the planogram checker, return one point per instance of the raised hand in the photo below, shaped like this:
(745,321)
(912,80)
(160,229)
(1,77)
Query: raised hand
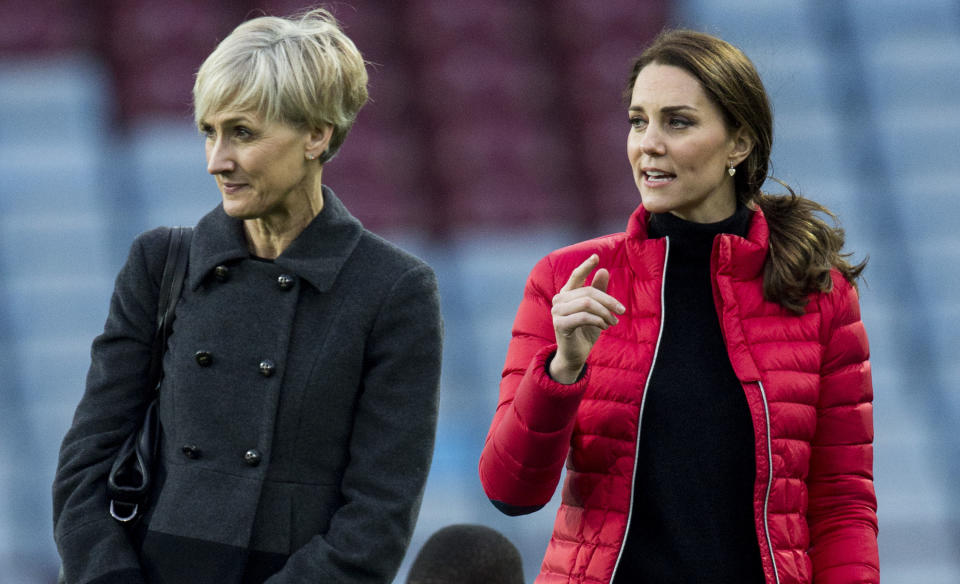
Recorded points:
(580,314)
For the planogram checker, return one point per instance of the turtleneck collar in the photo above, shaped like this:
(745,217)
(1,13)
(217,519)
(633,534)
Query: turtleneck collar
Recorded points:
(741,257)
(668,224)
(695,240)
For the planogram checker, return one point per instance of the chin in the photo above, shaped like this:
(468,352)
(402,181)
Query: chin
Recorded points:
(238,211)
(653,205)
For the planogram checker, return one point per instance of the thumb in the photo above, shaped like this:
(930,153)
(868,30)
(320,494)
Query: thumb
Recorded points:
(601,279)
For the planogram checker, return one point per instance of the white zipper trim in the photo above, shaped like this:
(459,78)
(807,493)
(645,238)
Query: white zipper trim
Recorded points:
(766,499)
(643,402)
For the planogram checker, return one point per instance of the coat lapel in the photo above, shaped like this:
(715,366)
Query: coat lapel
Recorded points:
(316,255)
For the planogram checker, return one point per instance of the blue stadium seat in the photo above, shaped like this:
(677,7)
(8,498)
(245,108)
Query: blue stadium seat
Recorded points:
(56,271)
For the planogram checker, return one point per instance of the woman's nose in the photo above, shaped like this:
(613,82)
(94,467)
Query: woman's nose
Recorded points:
(219,159)
(652,142)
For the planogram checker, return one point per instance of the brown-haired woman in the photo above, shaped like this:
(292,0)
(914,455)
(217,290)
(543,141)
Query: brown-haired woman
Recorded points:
(704,375)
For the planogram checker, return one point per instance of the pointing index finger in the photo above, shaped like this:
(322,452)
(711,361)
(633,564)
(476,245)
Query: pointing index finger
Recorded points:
(579,275)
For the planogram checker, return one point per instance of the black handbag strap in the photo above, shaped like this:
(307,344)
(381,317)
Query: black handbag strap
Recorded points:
(171,285)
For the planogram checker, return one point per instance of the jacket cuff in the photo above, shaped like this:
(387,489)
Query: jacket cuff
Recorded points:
(546,405)
(99,552)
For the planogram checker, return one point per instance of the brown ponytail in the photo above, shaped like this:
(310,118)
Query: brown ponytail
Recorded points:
(803,250)
(803,247)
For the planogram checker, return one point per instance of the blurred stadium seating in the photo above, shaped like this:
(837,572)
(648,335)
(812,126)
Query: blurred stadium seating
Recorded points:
(495,133)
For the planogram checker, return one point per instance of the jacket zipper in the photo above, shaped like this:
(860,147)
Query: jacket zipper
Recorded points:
(766,498)
(766,414)
(636,453)
(643,402)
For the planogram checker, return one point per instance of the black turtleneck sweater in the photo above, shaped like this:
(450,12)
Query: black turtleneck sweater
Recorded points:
(692,517)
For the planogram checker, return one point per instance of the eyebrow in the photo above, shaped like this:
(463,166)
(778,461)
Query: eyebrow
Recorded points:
(229,121)
(666,110)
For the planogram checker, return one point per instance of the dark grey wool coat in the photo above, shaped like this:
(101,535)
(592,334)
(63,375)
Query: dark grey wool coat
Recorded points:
(298,407)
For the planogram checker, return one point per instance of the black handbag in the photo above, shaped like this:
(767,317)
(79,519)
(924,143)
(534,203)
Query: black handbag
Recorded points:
(132,474)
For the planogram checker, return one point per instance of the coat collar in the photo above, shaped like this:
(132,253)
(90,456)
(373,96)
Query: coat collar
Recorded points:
(316,255)
(734,258)
(740,257)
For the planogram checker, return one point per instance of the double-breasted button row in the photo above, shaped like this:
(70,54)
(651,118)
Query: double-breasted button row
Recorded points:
(251,457)
(205,359)
(284,281)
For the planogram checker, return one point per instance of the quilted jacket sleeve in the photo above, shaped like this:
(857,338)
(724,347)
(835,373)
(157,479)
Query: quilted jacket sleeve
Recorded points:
(529,438)
(93,546)
(842,506)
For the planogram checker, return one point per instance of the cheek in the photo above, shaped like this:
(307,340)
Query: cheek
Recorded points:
(633,146)
(700,157)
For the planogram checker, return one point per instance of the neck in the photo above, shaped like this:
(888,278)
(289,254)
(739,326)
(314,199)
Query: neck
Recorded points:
(268,236)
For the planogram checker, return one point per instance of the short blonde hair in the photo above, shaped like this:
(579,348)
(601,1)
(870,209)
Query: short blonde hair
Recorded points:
(302,70)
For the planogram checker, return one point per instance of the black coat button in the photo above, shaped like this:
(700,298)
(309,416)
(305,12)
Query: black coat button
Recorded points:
(191,451)
(285,281)
(252,457)
(222,273)
(267,367)
(204,358)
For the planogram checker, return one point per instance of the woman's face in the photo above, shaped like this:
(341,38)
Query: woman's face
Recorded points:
(680,148)
(261,167)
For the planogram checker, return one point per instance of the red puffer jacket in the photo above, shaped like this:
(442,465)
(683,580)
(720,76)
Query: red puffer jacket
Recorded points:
(807,383)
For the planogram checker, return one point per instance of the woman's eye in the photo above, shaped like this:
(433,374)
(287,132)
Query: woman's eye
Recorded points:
(679,123)
(207,132)
(638,123)
(242,132)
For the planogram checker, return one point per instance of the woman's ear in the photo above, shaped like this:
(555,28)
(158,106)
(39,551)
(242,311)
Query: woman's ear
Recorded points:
(742,145)
(317,142)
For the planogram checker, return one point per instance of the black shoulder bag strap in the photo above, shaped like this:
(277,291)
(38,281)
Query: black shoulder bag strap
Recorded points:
(171,285)
(132,475)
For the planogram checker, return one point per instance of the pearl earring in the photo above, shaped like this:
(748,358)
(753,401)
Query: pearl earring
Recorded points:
(311,156)
(731,171)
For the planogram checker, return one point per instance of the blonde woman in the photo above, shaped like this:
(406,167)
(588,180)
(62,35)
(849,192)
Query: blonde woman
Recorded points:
(299,398)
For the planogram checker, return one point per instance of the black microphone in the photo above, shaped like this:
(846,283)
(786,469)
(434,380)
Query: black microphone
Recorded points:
(467,554)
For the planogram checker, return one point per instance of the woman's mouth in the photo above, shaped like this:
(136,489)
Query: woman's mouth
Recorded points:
(657,177)
(231,188)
